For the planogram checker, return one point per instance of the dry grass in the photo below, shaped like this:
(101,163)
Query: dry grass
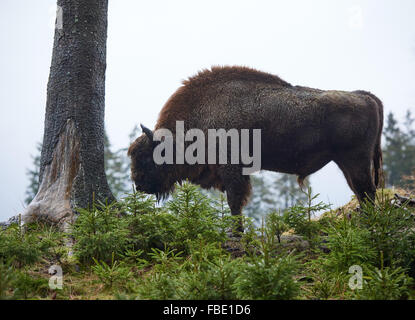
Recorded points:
(353,204)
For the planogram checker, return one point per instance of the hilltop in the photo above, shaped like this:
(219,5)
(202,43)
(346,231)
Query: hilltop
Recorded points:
(182,250)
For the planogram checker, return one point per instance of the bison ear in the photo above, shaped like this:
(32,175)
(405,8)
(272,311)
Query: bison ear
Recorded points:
(147,132)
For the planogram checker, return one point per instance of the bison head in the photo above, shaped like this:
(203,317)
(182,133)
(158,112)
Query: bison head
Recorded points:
(148,176)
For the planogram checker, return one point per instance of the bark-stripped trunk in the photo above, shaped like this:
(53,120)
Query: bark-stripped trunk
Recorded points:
(72,161)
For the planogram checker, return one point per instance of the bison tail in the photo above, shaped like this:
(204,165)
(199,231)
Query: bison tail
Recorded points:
(377,157)
(377,163)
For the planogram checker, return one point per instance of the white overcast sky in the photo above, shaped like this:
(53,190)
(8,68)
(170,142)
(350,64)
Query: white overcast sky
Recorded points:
(153,45)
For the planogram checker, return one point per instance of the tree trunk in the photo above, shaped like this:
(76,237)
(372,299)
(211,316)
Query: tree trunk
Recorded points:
(72,169)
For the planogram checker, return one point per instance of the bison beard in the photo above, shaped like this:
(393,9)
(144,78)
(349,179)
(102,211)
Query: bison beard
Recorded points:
(303,129)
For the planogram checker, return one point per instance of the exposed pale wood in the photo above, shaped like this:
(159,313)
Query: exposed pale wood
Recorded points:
(53,200)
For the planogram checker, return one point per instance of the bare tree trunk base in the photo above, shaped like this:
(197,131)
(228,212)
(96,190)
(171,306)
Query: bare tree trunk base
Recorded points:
(52,203)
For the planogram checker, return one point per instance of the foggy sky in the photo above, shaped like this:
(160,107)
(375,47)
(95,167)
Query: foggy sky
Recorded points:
(154,45)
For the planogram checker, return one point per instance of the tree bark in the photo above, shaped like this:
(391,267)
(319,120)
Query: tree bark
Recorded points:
(72,171)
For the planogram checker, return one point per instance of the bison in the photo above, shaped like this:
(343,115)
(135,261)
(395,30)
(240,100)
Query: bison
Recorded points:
(302,130)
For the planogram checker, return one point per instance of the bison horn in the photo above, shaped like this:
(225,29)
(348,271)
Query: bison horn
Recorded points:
(147,131)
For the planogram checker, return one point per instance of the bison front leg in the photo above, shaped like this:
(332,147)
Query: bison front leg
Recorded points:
(238,190)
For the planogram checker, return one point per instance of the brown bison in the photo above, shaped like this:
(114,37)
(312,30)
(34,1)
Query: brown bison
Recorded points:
(302,130)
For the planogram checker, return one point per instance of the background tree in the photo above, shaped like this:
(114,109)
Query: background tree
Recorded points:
(272,192)
(263,198)
(72,169)
(117,165)
(33,175)
(399,150)
(289,192)
(117,169)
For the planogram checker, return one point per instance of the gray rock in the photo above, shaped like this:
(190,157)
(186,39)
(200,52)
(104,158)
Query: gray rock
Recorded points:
(294,242)
(4,225)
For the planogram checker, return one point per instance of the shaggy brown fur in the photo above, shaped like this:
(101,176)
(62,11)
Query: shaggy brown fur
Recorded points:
(303,129)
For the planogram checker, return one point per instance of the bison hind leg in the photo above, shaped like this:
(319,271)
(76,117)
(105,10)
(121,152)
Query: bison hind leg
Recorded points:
(358,173)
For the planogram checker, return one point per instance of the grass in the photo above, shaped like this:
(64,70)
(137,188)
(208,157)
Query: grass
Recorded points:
(182,251)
